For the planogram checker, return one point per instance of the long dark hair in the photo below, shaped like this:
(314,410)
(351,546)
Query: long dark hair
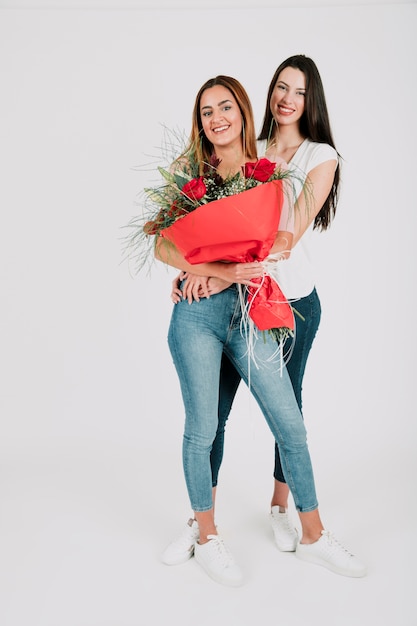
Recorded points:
(314,125)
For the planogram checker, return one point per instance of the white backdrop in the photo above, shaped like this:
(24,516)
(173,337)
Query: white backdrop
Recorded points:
(90,405)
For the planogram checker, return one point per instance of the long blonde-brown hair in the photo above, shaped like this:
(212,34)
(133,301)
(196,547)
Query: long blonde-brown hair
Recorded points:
(199,146)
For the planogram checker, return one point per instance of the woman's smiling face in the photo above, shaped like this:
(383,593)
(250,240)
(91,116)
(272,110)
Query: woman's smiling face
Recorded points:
(221,117)
(288,97)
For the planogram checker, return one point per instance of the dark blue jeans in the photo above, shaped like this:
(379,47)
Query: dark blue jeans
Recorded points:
(310,309)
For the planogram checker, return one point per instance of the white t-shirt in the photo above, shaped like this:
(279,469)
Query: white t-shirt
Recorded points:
(295,275)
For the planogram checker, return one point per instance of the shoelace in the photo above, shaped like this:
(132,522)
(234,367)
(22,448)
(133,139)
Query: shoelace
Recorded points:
(332,541)
(223,554)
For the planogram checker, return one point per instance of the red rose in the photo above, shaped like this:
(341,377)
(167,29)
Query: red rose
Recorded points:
(150,228)
(195,189)
(262,170)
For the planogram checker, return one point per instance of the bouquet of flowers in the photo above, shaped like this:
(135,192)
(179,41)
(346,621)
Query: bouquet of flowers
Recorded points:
(209,218)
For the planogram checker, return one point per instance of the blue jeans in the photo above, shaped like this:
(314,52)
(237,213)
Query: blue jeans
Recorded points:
(310,309)
(199,334)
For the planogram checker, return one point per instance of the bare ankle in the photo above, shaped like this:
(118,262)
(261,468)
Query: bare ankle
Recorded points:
(307,539)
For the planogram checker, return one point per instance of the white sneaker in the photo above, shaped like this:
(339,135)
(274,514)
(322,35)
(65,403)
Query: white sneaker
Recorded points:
(216,560)
(182,548)
(328,552)
(285,534)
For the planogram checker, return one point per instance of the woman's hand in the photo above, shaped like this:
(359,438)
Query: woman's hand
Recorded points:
(176,293)
(196,287)
(216,285)
(242,273)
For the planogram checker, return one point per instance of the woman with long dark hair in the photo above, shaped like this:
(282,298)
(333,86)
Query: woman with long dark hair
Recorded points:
(203,332)
(295,128)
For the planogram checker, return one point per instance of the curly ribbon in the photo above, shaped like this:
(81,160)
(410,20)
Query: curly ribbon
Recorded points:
(265,308)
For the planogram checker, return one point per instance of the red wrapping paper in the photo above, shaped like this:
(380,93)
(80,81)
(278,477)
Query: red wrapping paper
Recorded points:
(239,228)
(269,307)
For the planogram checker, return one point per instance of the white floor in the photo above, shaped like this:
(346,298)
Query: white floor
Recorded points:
(82,526)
